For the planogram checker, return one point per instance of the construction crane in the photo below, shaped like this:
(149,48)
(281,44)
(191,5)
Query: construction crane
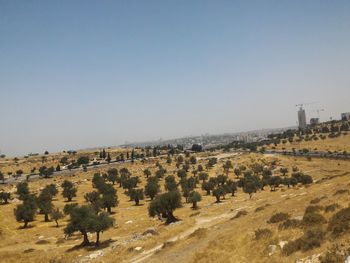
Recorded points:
(318,112)
(306,103)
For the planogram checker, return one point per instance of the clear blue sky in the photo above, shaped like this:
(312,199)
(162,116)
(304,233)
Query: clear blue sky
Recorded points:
(76,74)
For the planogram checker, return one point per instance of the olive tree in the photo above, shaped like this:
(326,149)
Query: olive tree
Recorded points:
(45,203)
(152,187)
(112,175)
(194,198)
(84,219)
(4,197)
(69,190)
(26,211)
(22,190)
(164,205)
(136,195)
(56,215)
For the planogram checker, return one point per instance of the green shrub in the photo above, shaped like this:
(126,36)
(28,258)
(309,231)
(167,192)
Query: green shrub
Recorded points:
(340,222)
(279,217)
(262,233)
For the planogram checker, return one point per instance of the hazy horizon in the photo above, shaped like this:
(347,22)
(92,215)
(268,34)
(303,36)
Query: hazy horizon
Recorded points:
(81,74)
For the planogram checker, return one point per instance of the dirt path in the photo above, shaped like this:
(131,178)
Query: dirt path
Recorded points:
(201,222)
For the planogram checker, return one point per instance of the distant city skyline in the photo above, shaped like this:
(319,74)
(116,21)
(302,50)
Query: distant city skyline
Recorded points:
(81,74)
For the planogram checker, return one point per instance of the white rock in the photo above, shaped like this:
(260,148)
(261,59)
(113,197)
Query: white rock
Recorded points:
(272,249)
(128,222)
(347,260)
(311,259)
(15,200)
(41,237)
(298,217)
(138,248)
(282,244)
(95,255)
(136,236)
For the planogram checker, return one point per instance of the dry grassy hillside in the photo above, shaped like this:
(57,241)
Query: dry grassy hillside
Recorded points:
(216,232)
(339,144)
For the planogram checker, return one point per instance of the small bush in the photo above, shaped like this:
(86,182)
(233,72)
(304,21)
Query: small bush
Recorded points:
(342,191)
(331,208)
(279,217)
(260,208)
(291,247)
(312,219)
(199,233)
(315,201)
(314,208)
(312,238)
(340,222)
(332,257)
(262,233)
(240,214)
(168,244)
(42,242)
(290,223)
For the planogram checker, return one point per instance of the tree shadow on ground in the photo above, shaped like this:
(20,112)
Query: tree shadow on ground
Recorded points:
(91,246)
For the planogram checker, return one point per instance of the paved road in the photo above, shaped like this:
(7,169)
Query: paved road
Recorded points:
(64,171)
(339,156)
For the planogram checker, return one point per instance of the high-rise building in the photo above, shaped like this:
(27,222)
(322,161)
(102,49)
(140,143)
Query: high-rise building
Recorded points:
(302,118)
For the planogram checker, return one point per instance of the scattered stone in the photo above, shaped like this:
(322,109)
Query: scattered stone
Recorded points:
(41,237)
(128,222)
(282,244)
(15,200)
(95,255)
(310,259)
(175,223)
(136,236)
(347,260)
(298,217)
(138,248)
(272,249)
